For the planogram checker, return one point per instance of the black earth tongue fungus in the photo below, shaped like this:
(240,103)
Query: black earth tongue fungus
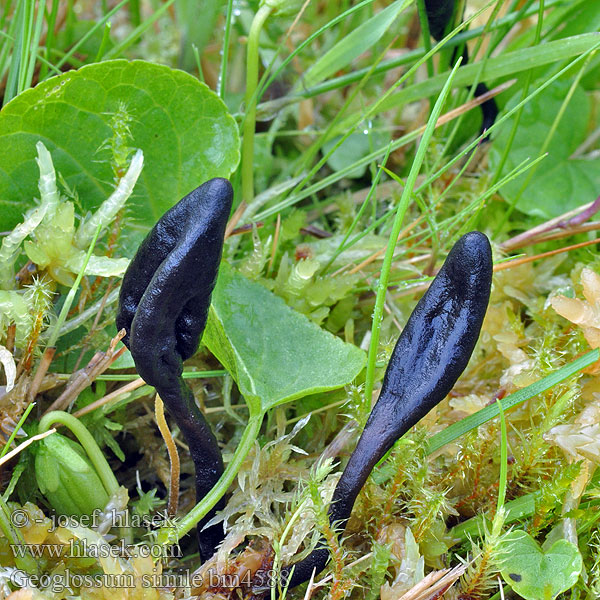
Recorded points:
(163,306)
(439,17)
(430,355)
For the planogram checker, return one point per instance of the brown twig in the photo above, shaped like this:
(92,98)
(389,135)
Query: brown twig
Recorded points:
(40,373)
(593,226)
(246,228)
(235,219)
(509,264)
(316,232)
(434,583)
(526,238)
(124,389)
(526,259)
(11,333)
(84,377)
(381,251)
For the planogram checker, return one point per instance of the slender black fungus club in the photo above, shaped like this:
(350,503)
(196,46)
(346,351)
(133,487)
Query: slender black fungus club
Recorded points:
(439,16)
(163,306)
(430,355)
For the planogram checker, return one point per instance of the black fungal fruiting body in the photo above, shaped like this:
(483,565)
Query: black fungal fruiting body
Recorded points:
(439,16)
(430,355)
(163,306)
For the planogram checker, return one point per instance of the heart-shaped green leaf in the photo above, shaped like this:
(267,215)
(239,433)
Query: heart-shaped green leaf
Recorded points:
(274,353)
(183,128)
(535,574)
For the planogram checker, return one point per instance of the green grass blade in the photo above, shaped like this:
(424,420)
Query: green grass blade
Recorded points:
(104,43)
(400,211)
(138,31)
(26,36)
(354,44)
(34,48)
(308,41)
(454,431)
(375,155)
(12,82)
(503,458)
(406,59)
(505,65)
(16,430)
(99,25)
(50,37)
(516,509)
(222,81)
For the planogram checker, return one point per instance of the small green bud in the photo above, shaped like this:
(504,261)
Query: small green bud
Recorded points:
(66,477)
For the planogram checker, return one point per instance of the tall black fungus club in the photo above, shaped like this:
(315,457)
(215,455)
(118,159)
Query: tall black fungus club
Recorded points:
(163,306)
(430,355)
(439,17)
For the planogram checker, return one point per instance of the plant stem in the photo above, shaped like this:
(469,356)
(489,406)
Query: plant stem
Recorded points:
(222,81)
(135,13)
(389,255)
(89,444)
(503,458)
(250,100)
(13,435)
(104,43)
(170,534)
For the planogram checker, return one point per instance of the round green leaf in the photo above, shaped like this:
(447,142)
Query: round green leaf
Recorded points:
(274,353)
(182,127)
(535,574)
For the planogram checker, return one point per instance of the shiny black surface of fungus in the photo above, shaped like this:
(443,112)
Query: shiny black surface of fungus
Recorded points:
(430,355)
(163,306)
